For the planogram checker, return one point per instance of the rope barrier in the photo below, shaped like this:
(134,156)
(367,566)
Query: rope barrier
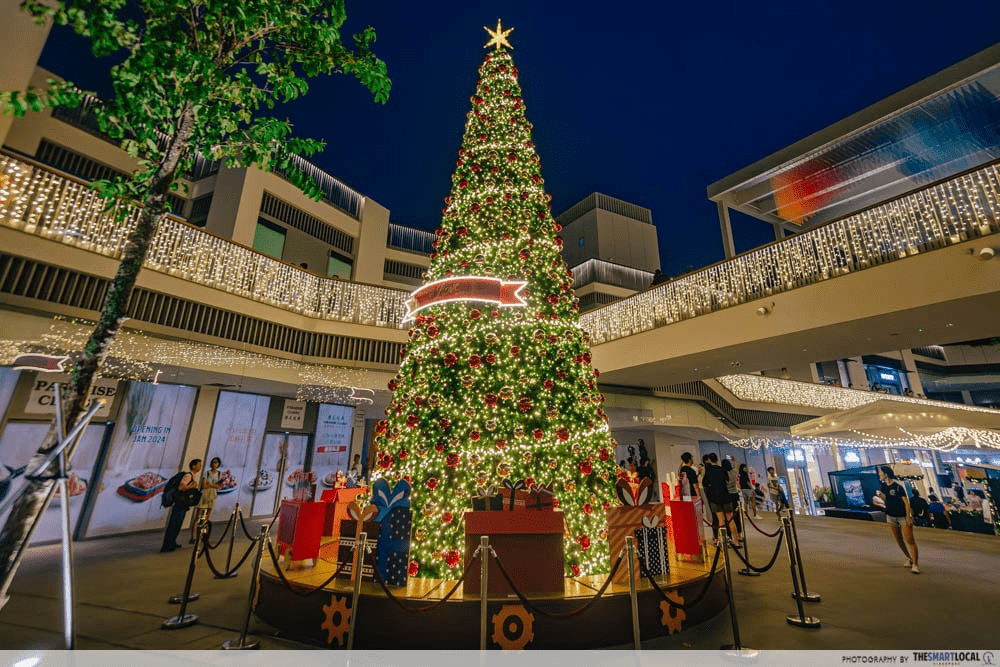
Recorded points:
(698,598)
(229,524)
(243,524)
(774,534)
(230,573)
(418,610)
(770,564)
(296,588)
(557,614)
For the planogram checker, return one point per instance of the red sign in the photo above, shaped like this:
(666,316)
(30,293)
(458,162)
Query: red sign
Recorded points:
(466,288)
(40,362)
(330,449)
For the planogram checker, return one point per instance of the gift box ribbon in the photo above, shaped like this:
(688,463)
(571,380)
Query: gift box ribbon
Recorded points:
(511,488)
(386,500)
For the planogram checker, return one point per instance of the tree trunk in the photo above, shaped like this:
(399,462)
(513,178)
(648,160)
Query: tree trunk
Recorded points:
(17,528)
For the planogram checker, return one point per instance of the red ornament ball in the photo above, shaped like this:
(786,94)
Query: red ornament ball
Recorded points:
(403,454)
(514,350)
(450,359)
(445,423)
(584,541)
(588,509)
(549,384)
(524,253)
(453,557)
(491,358)
(491,400)
(432,483)
(573,568)
(474,436)
(605,454)
(447,518)
(462,231)
(475,314)
(413,568)
(475,361)
(433,331)
(501,444)
(563,435)
(439,446)
(537,434)
(524,404)
(412,420)
(586,468)
(452,460)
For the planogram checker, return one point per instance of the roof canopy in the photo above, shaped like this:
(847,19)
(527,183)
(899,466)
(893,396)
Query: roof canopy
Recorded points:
(935,129)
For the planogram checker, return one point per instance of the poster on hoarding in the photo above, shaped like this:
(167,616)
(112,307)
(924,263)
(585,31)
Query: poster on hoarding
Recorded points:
(237,439)
(18,443)
(8,380)
(333,443)
(145,451)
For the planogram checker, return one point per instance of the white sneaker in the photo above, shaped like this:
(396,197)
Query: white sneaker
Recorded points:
(914,569)
(907,563)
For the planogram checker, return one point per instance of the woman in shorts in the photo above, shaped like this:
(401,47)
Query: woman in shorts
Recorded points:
(210,483)
(897,515)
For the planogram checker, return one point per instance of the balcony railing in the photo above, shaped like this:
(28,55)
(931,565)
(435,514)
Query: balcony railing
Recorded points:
(609,273)
(38,201)
(410,239)
(964,207)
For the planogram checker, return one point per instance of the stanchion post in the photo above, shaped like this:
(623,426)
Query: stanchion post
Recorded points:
(359,562)
(232,539)
(182,620)
(803,594)
(630,554)
(746,571)
(241,642)
(187,595)
(69,627)
(724,545)
(801,620)
(484,577)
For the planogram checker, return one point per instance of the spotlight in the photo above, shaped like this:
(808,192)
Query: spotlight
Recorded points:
(987,253)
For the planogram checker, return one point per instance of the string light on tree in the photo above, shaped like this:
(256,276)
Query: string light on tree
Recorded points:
(496,382)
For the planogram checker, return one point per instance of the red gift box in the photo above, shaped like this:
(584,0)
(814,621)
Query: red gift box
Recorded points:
(530,546)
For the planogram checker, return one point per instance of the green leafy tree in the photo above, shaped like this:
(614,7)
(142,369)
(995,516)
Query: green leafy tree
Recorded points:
(488,393)
(196,78)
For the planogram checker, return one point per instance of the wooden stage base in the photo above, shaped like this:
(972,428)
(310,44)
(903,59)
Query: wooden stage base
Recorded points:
(324,616)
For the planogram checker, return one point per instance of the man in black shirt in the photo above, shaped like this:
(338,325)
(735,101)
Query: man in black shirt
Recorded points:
(690,476)
(719,499)
(918,509)
(897,515)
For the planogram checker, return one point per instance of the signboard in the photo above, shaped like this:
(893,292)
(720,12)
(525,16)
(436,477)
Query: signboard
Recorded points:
(146,450)
(294,414)
(42,399)
(333,442)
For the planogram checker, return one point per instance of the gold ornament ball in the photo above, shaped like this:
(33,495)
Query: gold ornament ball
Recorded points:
(569,485)
(528,457)
(482,477)
(467,380)
(470,411)
(602,534)
(434,400)
(507,393)
(420,533)
(577,449)
(421,451)
(430,508)
(539,335)
(475,459)
(491,424)
(519,431)
(492,338)
(605,475)
(504,469)
(553,464)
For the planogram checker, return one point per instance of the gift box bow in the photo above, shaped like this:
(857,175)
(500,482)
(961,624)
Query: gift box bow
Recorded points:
(486,492)
(361,515)
(385,499)
(651,521)
(632,491)
(542,496)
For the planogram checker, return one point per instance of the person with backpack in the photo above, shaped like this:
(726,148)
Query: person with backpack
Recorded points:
(180,494)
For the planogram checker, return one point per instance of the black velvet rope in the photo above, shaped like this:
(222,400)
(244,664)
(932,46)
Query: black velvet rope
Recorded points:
(243,524)
(698,598)
(296,588)
(418,610)
(226,575)
(770,564)
(558,614)
(229,524)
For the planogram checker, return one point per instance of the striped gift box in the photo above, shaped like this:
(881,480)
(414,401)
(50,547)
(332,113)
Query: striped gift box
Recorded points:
(622,523)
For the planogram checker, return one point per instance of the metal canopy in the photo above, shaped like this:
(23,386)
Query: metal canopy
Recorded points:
(935,129)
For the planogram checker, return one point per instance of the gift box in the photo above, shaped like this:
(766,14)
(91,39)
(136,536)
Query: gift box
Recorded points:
(541,498)
(395,521)
(337,501)
(622,523)
(651,544)
(488,499)
(515,495)
(530,545)
(361,521)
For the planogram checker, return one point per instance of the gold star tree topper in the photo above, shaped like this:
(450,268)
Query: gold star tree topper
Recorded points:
(499,37)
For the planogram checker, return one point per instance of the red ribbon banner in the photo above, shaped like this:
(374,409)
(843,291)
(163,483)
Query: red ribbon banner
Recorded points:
(466,288)
(40,362)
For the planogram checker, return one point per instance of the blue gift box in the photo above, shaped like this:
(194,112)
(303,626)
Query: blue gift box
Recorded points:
(393,551)
(651,543)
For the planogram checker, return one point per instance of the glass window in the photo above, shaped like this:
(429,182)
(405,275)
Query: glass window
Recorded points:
(338,266)
(269,238)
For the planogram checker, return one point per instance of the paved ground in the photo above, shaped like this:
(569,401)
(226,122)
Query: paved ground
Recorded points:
(869,601)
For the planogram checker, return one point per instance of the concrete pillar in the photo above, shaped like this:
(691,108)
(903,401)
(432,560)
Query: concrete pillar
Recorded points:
(779,231)
(236,204)
(845,377)
(814,371)
(369,262)
(23,41)
(967,398)
(856,373)
(728,247)
(912,375)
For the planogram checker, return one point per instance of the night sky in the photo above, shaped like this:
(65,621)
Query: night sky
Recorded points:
(649,104)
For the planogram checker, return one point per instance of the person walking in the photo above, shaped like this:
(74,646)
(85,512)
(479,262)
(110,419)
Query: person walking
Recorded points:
(210,483)
(179,507)
(939,516)
(897,515)
(733,487)
(746,489)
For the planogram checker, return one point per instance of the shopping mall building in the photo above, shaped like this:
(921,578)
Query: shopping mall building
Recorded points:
(265,325)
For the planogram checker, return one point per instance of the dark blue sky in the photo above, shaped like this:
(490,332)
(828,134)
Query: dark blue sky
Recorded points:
(648,102)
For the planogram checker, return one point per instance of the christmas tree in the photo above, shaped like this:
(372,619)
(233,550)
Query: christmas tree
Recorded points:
(496,381)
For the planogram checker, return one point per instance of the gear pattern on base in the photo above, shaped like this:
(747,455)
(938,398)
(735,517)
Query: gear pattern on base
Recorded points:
(673,618)
(513,627)
(336,630)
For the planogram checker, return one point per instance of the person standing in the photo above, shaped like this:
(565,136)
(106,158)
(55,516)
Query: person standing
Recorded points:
(774,490)
(179,507)
(210,483)
(897,515)
(746,489)
(356,466)
(719,498)
(690,476)
(918,509)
